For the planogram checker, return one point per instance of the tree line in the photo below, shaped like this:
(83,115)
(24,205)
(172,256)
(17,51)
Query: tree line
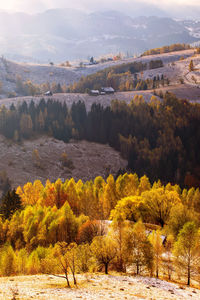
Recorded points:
(116,76)
(122,77)
(28,88)
(63,227)
(159,139)
(167,49)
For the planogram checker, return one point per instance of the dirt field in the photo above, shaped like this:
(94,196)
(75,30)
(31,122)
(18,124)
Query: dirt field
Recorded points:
(93,286)
(89,160)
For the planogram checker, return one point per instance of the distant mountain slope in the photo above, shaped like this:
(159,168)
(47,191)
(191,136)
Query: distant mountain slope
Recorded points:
(43,73)
(71,34)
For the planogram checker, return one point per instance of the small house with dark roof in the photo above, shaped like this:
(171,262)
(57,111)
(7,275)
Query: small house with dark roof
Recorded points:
(107,90)
(48,93)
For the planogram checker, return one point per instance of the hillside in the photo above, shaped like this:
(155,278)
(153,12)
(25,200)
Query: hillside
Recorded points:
(175,69)
(69,98)
(182,83)
(99,150)
(88,160)
(40,74)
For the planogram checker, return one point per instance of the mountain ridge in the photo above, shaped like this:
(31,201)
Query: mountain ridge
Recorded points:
(74,34)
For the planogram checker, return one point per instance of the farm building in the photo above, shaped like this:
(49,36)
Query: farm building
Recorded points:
(48,93)
(94,92)
(107,90)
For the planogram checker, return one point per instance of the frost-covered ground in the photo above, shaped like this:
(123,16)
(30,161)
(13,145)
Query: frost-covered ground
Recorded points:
(39,73)
(174,69)
(104,100)
(94,287)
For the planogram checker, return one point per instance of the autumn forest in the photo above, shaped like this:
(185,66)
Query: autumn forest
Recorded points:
(160,138)
(149,210)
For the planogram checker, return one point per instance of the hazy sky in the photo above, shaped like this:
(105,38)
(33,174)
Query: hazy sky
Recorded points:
(32,6)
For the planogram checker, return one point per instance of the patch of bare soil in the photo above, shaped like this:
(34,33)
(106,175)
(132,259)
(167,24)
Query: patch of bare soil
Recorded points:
(88,160)
(93,287)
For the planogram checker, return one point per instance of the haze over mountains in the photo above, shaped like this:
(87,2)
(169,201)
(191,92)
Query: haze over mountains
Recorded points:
(68,34)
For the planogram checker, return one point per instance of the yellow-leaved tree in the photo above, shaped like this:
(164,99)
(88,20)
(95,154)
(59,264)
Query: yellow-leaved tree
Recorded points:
(139,248)
(157,205)
(104,251)
(186,250)
(156,241)
(30,193)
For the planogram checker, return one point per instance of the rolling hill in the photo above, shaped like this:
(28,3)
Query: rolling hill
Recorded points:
(43,73)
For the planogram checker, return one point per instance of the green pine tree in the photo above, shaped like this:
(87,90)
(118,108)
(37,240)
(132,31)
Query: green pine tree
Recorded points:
(10,203)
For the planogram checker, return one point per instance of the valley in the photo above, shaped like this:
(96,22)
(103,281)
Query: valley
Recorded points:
(103,158)
(174,69)
(43,73)
(76,34)
(99,154)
